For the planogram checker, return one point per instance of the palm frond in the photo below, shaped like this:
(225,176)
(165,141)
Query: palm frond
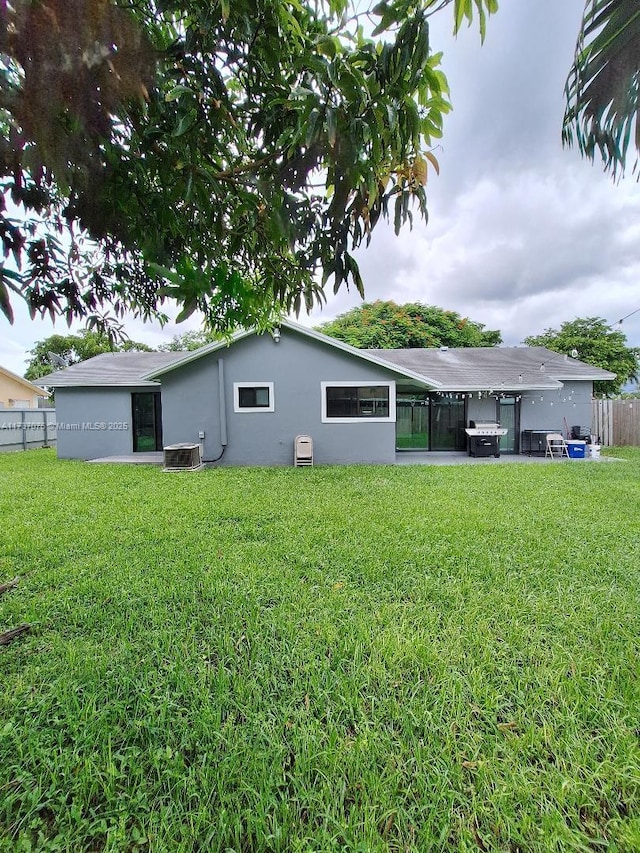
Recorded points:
(603,87)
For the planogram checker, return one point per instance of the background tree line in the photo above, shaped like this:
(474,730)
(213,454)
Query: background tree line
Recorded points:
(386,325)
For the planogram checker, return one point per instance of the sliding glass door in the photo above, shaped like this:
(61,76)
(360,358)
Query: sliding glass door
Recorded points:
(447,424)
(508,416)
(429,422)
(412,422)
(147,421)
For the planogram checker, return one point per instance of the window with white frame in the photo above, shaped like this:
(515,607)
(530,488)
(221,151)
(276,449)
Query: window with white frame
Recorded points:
(349,402)
(253,397)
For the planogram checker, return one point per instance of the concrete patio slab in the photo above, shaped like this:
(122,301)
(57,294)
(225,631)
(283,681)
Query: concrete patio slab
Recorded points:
(132,459)
(446,457)
(441,457)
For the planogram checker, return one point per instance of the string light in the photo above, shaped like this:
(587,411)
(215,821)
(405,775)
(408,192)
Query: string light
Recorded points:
(626,317)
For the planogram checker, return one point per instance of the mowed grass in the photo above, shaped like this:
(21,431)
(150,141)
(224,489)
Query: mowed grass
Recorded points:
(327,659)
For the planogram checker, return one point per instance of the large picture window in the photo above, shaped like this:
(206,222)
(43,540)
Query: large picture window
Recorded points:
(253,397)
(345,402)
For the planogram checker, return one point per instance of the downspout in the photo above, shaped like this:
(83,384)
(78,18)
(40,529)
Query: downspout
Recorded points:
(222,404)
(223,412)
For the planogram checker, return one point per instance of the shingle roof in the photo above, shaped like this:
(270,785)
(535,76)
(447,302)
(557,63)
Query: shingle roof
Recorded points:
(460,369)
(111,369)
(490,368)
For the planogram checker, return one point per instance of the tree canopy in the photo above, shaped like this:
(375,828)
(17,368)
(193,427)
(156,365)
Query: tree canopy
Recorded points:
(72,349)
(229,155)
(189,341)
(385,325)
(233,156)
(603,87)
(595,343)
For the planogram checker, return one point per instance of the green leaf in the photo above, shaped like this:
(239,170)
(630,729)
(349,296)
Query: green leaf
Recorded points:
(5,303)
(185,124)
(175,93)
(397,217)
(331,126)
(326,46)
(380,9)
(164,272)
(187,310)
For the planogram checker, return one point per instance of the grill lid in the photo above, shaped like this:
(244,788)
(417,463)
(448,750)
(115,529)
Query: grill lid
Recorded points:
(485,428)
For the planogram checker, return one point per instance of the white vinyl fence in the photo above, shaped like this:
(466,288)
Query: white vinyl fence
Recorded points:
(22,429)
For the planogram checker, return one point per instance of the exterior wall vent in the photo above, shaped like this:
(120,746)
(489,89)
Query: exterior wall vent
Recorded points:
(182,457)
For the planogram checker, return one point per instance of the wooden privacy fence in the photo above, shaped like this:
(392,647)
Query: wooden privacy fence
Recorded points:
(21,429)
(617,422)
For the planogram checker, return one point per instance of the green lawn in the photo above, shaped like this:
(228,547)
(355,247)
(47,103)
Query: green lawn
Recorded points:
(328,659)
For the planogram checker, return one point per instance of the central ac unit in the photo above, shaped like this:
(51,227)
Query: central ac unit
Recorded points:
(182,457)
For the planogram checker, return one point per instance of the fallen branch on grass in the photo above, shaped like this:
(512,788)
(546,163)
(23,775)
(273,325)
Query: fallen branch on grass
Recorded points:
(11,635)
(8,585)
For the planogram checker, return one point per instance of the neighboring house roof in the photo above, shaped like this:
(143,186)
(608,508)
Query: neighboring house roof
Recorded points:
(111,369)
(460,369)
(490,368)
(23,382)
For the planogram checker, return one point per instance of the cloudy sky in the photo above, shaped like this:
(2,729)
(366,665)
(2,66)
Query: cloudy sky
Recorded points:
(522,234)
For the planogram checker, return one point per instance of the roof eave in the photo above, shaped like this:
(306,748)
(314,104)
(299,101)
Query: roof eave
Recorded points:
(604,376)
(26,383)
(500,387)
(134,383)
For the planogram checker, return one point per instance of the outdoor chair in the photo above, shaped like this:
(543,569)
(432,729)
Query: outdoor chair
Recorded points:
(556,446)
(303,450)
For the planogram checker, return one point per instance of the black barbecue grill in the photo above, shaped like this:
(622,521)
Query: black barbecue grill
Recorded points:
(484,438)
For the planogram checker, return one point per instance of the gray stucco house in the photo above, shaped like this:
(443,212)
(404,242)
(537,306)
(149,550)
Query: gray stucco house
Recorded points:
(244,402)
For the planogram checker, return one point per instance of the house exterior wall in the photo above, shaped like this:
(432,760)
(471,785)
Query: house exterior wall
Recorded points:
(94,422)
(296,365)
(480,410)
(11,391)
(548,410)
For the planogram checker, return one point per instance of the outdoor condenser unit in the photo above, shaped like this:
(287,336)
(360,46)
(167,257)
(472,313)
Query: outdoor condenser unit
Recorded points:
(182,457)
